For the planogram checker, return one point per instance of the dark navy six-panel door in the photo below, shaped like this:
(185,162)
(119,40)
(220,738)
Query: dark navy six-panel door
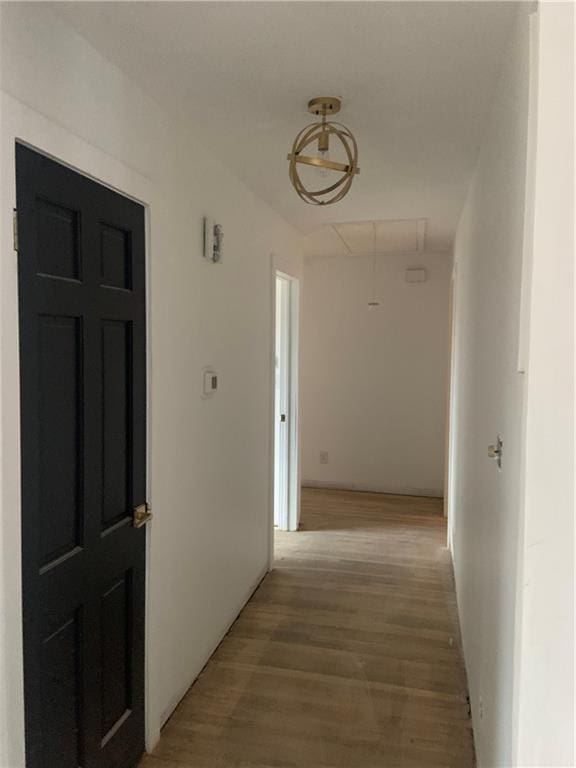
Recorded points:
(83,430)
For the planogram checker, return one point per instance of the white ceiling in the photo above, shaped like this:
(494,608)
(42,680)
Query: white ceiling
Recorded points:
(415,78)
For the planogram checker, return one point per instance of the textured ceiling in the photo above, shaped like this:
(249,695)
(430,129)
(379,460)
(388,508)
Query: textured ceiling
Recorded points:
(415,78)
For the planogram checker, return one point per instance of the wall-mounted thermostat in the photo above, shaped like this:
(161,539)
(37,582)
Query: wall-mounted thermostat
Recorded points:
(209,382)
(415,275)
(213,236)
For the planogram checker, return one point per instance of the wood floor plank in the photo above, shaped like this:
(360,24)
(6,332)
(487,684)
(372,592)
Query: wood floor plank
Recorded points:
(347,656)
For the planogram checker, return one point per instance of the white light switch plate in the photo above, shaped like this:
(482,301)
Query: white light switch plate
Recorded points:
(209,382)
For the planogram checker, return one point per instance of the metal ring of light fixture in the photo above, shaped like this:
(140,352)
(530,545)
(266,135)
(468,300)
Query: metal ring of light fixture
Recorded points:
(321,133)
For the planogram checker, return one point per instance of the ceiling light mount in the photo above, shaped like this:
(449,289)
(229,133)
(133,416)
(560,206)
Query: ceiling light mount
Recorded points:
(321,133)
(324,105)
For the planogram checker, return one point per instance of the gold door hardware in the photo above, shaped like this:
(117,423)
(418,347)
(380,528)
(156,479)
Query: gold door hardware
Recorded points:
(141,515)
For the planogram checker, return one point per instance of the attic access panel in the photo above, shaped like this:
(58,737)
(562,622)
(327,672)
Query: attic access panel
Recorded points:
(385,236)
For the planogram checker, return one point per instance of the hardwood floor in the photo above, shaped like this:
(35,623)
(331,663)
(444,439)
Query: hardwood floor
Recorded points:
(347,656)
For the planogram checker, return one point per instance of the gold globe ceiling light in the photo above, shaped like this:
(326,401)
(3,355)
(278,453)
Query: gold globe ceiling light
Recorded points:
(321,133)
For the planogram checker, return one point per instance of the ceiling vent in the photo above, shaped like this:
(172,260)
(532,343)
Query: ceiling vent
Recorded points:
(415,275)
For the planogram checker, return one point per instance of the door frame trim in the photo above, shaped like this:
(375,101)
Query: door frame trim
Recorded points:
(451,413)
(23,125)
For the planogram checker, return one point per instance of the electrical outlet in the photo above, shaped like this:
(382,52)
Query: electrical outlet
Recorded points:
(323,457)
(481,708)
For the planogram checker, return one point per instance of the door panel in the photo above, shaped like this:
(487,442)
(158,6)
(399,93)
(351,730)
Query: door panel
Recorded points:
(116,630)
(61,689)
(115,258)
(58,248)
(116,421)
(60,436)
(83,426)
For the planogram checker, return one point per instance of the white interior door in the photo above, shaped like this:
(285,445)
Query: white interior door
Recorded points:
(282,405)
(286,419)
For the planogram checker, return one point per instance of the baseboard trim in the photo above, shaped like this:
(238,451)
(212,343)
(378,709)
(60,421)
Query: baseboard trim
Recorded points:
(433,493)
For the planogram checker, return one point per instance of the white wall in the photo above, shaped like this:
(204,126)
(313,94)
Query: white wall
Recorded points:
(504,573)
(488,399)
(209,459)
(373,381)
(546,590)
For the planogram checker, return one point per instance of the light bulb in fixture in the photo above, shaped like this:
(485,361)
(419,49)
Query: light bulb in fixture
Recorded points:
(323,154)
(320,170)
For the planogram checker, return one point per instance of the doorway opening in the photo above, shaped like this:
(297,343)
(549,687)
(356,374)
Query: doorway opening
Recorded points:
(286,421)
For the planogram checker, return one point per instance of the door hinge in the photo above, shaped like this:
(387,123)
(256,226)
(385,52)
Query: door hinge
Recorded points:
(15,229)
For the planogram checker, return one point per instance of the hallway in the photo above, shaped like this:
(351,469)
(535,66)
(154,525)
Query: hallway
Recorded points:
(347,655)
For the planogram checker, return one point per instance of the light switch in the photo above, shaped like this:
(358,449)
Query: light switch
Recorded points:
(209,382)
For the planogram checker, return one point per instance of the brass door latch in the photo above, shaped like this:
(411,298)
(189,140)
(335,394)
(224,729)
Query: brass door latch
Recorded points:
(141,515)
